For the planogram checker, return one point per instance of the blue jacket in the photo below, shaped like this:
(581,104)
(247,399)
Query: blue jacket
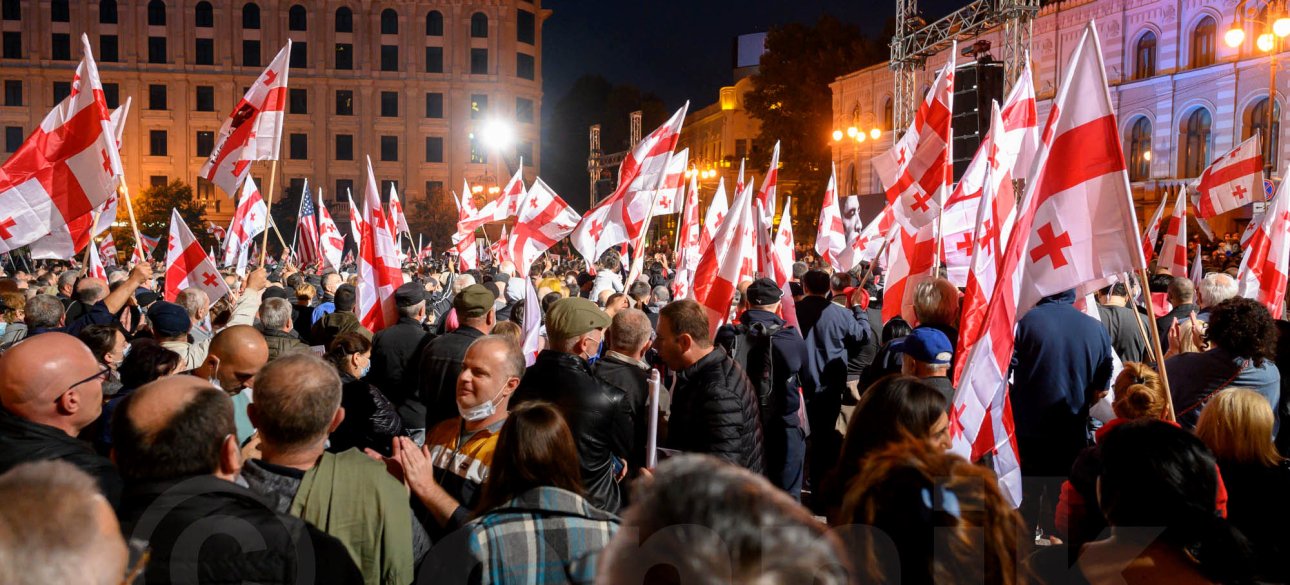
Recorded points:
(788,355)
(1062,358)
(1194,377)
(833,334)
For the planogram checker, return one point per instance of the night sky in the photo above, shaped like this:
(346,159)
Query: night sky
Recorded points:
(679,49)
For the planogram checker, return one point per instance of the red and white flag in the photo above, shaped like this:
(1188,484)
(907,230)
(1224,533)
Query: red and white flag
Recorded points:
(909,259)
(379,272)
(1152,233)
(620,217)
(144,247)
(543,219)
(356,227)
(716,214)
(397,219)
(107,250)
(463,242)
(531,342)
(1086,229)
(95,267)
(249,219)
(671,190)
(330,240)
(731,259)
(1198,269)
(766,195)
(188,265)
(68,167)
(1264,267)
(687,253)
(916,172)
(831,237)
(867,246)
(253,131)
(498,249)
(1232,181)
(508,203)
(1173,251)
(782,262)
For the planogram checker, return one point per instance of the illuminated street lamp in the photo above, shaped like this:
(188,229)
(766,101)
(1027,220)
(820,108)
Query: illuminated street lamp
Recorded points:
(1276,26)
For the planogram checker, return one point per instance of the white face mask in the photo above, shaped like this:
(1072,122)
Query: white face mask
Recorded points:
(480,411)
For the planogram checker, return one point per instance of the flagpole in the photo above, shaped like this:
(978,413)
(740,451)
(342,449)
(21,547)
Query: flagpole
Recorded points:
(93,225)
(134,224)
(1160,354)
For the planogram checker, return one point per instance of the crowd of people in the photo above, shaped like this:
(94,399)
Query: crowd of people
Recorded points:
(269,437)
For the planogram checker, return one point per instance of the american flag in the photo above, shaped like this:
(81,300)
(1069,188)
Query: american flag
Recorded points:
(307,231)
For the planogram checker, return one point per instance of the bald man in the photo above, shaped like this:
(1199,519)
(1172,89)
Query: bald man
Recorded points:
(236,355)
(51,388)
(174,442)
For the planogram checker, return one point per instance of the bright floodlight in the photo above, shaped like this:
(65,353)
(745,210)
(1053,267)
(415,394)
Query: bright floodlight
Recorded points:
(875,133)
(837,135)
(1264,42)
(1281,27)
(1234,37)
(497,134)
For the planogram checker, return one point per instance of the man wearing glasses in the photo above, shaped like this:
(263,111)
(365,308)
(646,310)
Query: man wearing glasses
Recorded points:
(51,388)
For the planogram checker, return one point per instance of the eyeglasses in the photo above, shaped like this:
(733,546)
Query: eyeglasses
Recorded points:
(101,375)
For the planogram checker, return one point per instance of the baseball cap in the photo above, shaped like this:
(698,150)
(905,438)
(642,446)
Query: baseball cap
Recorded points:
(763,291)
(926,345)
(571,317)
(409,294)
(474,301)
(169,319)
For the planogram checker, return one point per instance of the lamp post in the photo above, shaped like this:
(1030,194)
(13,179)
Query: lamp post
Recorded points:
(856,136)
(1275,27)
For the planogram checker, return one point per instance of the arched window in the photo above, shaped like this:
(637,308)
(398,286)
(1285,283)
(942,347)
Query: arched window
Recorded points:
(434,24)
(251,16)
(389,22)
(297,18)
(1202,42)
(886,115)
(479,25)
(344,20)
(1196,137)
(156,13)
(1145,56)
(107,12)
(1256,120)
(1140,150)
(204,15)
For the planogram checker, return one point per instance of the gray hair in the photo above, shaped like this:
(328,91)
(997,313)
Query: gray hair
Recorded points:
(67,279)
(331,280)
(662,295)
(43,311)
(412,311)
(275,314)
(461,282)
(89,291)
(629,330)
(195,301)
(1215,288)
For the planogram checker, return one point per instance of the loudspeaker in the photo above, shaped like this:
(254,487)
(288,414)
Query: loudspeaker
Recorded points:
(975,85)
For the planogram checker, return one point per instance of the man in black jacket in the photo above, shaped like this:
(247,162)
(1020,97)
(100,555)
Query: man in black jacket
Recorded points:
(759,335)
(175,443)
(714,407)
(395,351)
(623,365)
(51,388)
(440,361)
(598,413)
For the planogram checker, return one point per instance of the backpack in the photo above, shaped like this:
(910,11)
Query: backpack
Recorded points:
(752,348)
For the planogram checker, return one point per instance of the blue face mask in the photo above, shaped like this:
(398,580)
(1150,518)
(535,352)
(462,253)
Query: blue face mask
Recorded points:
(367,368)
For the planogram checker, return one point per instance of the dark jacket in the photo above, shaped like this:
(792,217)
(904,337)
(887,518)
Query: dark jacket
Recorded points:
(437,369)
(633,380)
(282,343)
(223,516)
(23,441)
(598,414)
(714,411)
(370,419)
(788,356)
(395,351)
(332,324)
(1257,506)
(833,334)
(1127,338)
(302,321)
(1061,360)
(1181,313)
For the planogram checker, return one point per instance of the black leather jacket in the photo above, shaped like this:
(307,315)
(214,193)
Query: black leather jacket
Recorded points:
(598,414)
(715,411)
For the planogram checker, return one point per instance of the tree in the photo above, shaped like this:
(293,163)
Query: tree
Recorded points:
(435,217)
(152,210)
(792,99)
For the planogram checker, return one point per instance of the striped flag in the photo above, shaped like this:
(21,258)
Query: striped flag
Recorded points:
(1232,181)
(307,242)
(253,131)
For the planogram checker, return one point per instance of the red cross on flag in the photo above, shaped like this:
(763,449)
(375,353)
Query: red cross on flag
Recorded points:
(1152,232)
(379,272)
(620,217)
(249,219)
(687,253)
(916,172)
(253,131)
(731,259)
(188,265)
(671,190)
(831,237)
(107,250)
(508,203)
(1173,251)
(66,168)
(95,267)
(356,227)
(1085,227)
(766,195)
(1232,181)
(868,244)
(717,211)
(107,211)
(330,241)
(1264,267)
(909,260)
(497,250)
(544,219)
(399,221)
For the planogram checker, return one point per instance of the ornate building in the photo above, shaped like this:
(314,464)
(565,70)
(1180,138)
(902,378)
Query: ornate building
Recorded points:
(410,83)
(1183,96)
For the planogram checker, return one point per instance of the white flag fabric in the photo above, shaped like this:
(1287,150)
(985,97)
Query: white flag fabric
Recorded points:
(831,235)
(1173,251)
(687,253)
(330,239)
(543,219)
(916,172)
(397,218)
(717,210)
(1233,181)
(356,227)
(95,267)
(731,259)
(508,203)
(1152,233)
(532,342)
(188,265)
(769,185)
(379,272)
(250,218)
(253,130)
(1264,267)
(671,190)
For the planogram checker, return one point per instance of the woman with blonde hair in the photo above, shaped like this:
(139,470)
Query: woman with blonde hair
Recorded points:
(1237,426)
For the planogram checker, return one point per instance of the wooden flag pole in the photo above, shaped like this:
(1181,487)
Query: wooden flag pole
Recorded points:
(1142,332)
(873,262)
(134,223)
(268,210)
(1160,354)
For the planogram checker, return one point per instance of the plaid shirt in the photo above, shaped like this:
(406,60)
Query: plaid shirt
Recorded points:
(545,536)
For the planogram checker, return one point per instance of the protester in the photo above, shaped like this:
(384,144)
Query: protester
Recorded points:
(302,312)
(171,323)
(198,304)
(1243,337)
(927,355)
(1182,297)
(278,330)
(342,320)
(703,520)
(623,366)
(887,361)
(599,413)
(14,307)
(440,361)
(147,361)
(174,440)
(714,406)
(344,493)
(327,302)
(533,524)
(1237,427)
(56,529)
(773,354)
(1127,326)
(371,420)
(51,389)
(109,347)
(395,353)
(607,277)
(236,355)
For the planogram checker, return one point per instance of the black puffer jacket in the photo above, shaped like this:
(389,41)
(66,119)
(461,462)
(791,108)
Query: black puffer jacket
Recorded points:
(598,414)
(715,411)
(371,420)
(23,441)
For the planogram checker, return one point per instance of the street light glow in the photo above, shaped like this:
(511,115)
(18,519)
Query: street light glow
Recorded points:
(837,135)
(1264,42)
(1234,37)
(875,133)
(1281,27)
(497,134)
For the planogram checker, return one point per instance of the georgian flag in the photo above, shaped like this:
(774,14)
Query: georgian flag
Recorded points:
(95,267)
(916,172)
(1264,266)
(766,195)
(508,203)
(542,219)
(831,237)
(1173,251)
(687,254)
(330,241)
(717,210)
(249,219)
(1152,232)
(729,261)
(356,227)
(671,190)
(399,221)
(1232,181)
(188,265)
(107,250)
(253,131)
(379,272)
